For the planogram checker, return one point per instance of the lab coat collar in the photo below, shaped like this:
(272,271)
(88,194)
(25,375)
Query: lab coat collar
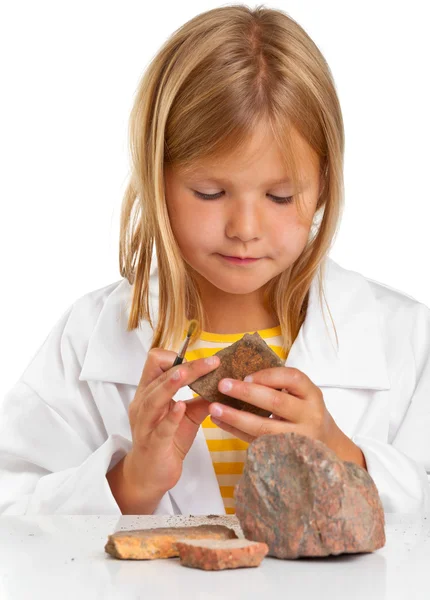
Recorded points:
(118,356)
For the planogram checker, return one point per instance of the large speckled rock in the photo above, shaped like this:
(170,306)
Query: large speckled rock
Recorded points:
(299,498)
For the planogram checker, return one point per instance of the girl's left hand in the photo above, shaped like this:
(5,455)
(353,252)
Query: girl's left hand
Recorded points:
(298,408)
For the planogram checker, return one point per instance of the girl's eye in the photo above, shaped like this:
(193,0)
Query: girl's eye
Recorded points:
(276,199)
(208,196)
(282,200)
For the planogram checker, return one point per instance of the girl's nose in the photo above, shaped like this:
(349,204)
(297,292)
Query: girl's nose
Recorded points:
(243,221)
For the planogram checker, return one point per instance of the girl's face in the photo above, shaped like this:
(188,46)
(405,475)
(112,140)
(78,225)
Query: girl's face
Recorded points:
(245,217)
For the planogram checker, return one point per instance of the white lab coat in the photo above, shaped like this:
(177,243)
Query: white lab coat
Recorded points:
(64,424)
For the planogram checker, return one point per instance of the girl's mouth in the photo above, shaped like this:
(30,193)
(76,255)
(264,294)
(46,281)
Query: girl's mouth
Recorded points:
(239,261)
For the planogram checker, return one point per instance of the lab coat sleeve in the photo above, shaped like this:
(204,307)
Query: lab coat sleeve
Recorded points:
(54,449)
(401,470)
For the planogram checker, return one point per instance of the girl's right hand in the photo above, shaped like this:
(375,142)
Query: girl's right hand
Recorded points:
(163,430)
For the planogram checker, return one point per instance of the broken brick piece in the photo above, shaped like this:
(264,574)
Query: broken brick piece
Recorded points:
(160,542)
(215,555)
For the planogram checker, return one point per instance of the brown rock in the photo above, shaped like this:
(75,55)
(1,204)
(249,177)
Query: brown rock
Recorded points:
(161,541)
(296,495)
(214,555)
(244,357)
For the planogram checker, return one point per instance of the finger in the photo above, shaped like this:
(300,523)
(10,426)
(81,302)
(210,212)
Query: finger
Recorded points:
(293,380)
(184,374)
(163,434)
(236,432)
(277,402)
(158,361)
(197,409)
(248,423)
(155,404)
(264,429)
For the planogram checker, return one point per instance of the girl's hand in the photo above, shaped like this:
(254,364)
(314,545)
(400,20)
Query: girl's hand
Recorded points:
(298,408)
(163,430)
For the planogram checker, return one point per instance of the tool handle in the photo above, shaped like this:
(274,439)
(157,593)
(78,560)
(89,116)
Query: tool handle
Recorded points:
(178,361)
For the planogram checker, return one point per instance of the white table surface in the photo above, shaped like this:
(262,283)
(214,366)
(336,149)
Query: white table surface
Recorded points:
(62,557)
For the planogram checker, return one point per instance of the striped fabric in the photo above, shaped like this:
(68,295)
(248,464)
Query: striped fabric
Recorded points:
(227,451)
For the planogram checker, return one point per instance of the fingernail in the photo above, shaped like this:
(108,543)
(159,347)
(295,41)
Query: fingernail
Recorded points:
(248,378)
(216,411)
(226,385)
(211,360)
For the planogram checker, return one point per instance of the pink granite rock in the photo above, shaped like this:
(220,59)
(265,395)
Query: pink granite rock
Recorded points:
(299,498)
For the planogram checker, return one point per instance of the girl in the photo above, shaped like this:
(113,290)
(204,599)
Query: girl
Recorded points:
(233,203)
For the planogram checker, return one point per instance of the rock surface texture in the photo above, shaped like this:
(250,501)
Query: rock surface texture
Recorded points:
(244,357)
(297,496)
(215,555)
(160,542)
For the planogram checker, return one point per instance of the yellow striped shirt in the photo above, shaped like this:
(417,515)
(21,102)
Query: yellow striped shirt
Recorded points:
(227,451)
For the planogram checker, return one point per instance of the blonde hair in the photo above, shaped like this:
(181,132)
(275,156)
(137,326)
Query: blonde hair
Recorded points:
(201,97)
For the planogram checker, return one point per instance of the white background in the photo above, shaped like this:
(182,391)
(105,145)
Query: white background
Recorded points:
(69,72)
